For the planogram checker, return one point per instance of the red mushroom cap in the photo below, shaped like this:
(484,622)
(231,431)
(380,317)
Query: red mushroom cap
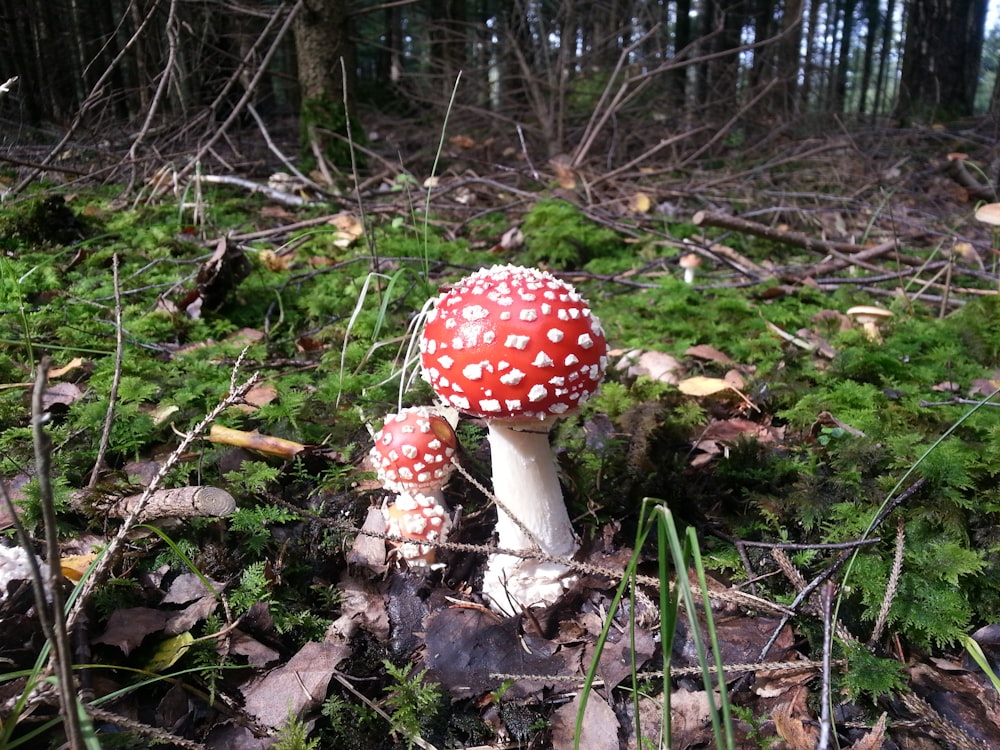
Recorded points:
(513,343)
(413,451)
(419,519)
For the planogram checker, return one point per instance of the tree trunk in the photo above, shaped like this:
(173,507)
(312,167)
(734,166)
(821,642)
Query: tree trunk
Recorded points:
(325,60)
(944,41)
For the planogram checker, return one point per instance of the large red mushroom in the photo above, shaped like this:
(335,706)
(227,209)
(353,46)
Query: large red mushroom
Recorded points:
(518,348)
(413,455)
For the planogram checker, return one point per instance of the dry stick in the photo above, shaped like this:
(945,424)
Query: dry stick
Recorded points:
(62,652)
(114,547)
(273,148)
(170,29)
(603,113)
(109,416)
(91,97)
(846,252)
(251,86)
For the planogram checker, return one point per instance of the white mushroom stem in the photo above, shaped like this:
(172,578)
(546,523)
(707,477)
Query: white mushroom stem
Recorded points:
(526,485)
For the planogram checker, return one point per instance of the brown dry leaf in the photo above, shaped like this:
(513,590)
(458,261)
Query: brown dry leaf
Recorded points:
(599,730)
(654,365)
(297,686)
(462,141)
(639,203)
(873,739)
(700,385)
(710,353)
(187,587)
(128,627)
(690,718)
(512,239)
(60,393)
(369,551)
(799,733)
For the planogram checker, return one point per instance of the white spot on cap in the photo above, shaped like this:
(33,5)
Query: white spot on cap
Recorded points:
(543,360)
(555,335)
(409,451)
(528,314)
(585,341)
(475,312)
(559,408)
(459,402)
(512,378)
(513,404)
(537,393)
(473,372)
(445,361)
(516,342)
(489,405)
(571,359)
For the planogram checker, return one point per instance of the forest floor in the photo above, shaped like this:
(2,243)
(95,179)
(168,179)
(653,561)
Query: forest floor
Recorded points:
(832,484)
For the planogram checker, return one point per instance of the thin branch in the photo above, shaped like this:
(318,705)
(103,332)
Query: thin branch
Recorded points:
(62,654)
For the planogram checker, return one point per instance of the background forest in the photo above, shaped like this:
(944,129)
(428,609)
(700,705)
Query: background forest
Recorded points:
(601,81)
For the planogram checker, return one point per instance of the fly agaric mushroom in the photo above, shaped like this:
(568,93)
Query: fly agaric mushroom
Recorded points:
(518,348)
(870,316)
(413,455)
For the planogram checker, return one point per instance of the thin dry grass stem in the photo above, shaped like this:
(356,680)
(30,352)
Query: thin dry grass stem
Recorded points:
(826,611)
(109,416)
(61,661)
(767,666)
(892,586)
(160,736)
(939,726)
(114,547)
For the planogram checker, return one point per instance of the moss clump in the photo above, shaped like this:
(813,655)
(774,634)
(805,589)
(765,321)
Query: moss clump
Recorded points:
(557,234)
(46,221)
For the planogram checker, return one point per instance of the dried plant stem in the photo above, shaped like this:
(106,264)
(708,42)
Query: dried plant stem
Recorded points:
(109,416)
(825,720)
(58,631)
(893,584)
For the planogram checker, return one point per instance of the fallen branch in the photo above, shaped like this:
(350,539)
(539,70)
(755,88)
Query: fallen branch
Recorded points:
(177,502)
(278,196)
(847,253)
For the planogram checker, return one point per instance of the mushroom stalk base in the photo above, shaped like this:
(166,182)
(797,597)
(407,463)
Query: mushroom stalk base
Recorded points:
(526,484)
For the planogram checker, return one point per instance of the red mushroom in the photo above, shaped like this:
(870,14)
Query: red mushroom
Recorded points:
(413,455)
(518,348)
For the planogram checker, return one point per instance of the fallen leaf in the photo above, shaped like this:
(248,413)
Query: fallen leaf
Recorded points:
(710,353)
(873,739)
(74,566)
(60,371)
(295,687)
(700,385)
(127,628)
(169,652)
(654,365)
(599,730)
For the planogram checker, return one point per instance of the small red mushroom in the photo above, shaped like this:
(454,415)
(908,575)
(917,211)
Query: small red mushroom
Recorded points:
(414,450)
(518,348)
(413,454)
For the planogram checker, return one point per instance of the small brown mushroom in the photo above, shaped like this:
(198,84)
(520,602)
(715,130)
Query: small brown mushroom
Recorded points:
(989,213)
(870,316)
(690,264)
